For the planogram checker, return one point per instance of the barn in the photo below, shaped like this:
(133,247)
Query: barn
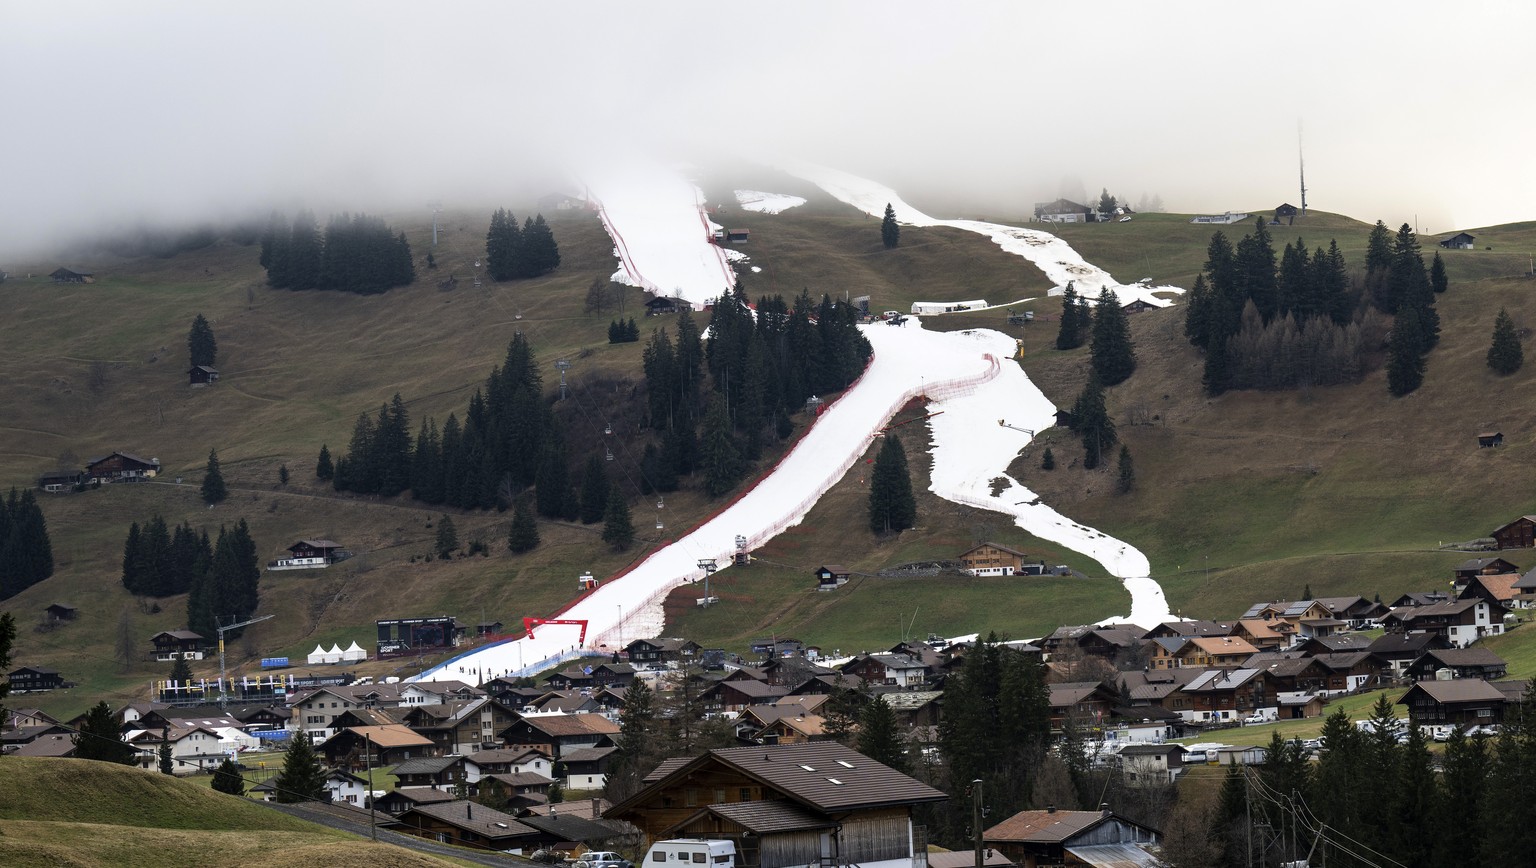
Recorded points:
(1460,241)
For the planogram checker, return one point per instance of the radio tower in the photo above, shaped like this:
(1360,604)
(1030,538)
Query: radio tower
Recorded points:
(1303,158)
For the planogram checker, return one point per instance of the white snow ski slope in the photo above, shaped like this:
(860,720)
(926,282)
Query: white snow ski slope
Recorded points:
(908,362)
(767,203)
(1050,254)
(660,231)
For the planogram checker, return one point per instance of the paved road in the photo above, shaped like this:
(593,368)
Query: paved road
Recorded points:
(356,821)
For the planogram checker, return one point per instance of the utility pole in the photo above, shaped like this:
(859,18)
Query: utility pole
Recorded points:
(976,820)
(373,823)
(1302,157)
(1248,807)
(562,364)
(223,679)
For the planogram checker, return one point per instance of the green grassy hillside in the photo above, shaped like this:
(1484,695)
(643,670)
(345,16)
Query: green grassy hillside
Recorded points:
(1246,496)
(86,813)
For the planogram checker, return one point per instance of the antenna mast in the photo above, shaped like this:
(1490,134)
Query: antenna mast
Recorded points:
(1302,157)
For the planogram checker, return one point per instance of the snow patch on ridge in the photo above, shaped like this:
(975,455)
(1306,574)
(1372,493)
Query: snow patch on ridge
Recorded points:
(767,203)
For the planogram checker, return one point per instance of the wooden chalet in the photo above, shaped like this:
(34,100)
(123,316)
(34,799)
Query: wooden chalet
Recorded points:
(1138,305)
(1062,211)
(438,771)
(737,236)
(466,824)
(508,761)
(660,306)
(1228,695)
(736,696)
(1287,212)
(120,466)
(1490,439)
(1464,701)
(1455,663)
(202,375)
(36,679)
(785,806)
(65,275)
(462,726)
(1460,622)
(1261,634)
(1468,569)
(1349,671)
(307,554)
(1050,837)
(1396,651)
(402,799)
(1190,627)
(661,653)
(178,645)
(1085,702)
(996,559)
(830,577)
(1518,534)
(57,613)
(1358,612)
(562,732)
(489,628)
(388,745)
(792,729)
(1498,592)
(56,481)
(1460,241)
(586,768)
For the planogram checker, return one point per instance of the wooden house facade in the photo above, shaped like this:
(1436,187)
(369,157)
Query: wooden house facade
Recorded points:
(121,466)
(1518,534)
(993,559)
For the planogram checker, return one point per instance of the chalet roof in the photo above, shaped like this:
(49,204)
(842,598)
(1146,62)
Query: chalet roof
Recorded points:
(48,746)
(1342,660)
(506,755)
(393,735)
(422,795)
(1458,237)
(834,569)
(991,858)
(179,635)
(1222,644)
(808,725)
(376,716)
(570,826)
(1152,749)
(145,461)
(1340,605)
(1197,627)
(1500,587)
(1259,628)
(1529,518)
(1454,657)
(1289,668)
(667,767)
(752,689)
(665,644)
(1514,690)
(1458,690)
(1044,827)
(59,474)
(1476,564)
(1526,582)
(428,765)
(822,775)
(586,754)
(1297,608)
(473,818)
(1072,692)
(1221,679)
(316,543)
(207,369)
(1435,610)
(764,817)
(1061,206)
(592,808)
(1341,642)
(560,725)
(999,546)
(1403,643)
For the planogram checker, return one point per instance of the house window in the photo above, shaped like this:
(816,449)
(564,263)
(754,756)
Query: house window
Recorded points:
(745,794)
(719,795)
(691,797)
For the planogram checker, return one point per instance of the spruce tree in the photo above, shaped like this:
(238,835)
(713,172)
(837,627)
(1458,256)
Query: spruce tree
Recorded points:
(1405,359)
(1091,421)
(523,535)
(213,489)
(1439,281)
(227,778)
(892,507)
(201,346)
(26,554)
(1048,460)
(879,736)
(637,747)
(1070,335)
(324,469)
(99,738)
(282,474)
(890,232)
(618,530)
(594,490)
(302,778)
(1505,355)
(1127,474)
(718,455)
(1114,357)
(181,672)
(133,560)
(447,537)
(167,761)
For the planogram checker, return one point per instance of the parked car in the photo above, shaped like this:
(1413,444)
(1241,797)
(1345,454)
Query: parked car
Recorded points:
(603,859)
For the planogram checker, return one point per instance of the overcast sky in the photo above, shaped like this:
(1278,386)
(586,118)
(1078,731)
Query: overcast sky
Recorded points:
(114,110)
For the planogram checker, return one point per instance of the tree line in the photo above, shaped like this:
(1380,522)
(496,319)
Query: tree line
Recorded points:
(220,578)
(26,553)
(513,253)
(355,253)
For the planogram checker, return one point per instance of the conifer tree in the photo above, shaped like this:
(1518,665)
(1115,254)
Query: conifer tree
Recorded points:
(1438,280)
(302,778)
(1505,355)
(879,737)
(1114,357)
(1127,472)
(1048,460)
(227,778)
(1197,309)
(447,537)
(718,456)
(133,560)
(7,640)
(892,507)
(213,489)
(167,760)
(324,469)
(181,672)
(100,739)
(523,536)
(637,748)
(1405,359)
(1090,419)
(1070,335)
(594,490)
(553,483)
(890,232)
(618,530)
(26,554)
(201,346)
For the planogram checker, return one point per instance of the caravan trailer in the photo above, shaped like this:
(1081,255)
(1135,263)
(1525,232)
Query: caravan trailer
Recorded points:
(678,852)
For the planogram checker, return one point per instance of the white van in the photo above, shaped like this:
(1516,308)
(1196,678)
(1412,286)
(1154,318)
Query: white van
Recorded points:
(680,852)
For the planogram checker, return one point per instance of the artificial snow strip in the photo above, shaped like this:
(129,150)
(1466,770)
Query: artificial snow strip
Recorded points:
(767,203)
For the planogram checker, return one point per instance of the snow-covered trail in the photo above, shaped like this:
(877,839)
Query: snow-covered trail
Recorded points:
(1055,257)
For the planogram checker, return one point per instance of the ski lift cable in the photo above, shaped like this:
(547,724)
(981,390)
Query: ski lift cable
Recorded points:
(588,416)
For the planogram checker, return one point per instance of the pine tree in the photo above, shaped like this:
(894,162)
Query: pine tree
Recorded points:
(447,537)
(718,454)
(1505,355)
(892,507)
(1127,474)
(302,778)
(1048,460)
(213,489)
(1107,203)
(202,347)
(553,482)
(1405,359)
(890,232)
(618,530)
(282,474)
(879,737)
(324,469)
(167,760)
(99,738)
(7,641)
(227,778)
(594,491)
(181,672)
(1439,281)
(1070,335)
(523,536)
(133,560)
(637,748)
(26,554)
(1114,357)
(1090,419)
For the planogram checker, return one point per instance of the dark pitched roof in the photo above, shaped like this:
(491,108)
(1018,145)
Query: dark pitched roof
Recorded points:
(1043,826)
(1475,656)
(764,817)
(1459,690)
(823,775)
(427,765)
(474,818)
(569,827)
(557,725)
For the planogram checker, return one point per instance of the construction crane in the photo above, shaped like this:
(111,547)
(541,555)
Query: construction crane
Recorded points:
(223,679)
